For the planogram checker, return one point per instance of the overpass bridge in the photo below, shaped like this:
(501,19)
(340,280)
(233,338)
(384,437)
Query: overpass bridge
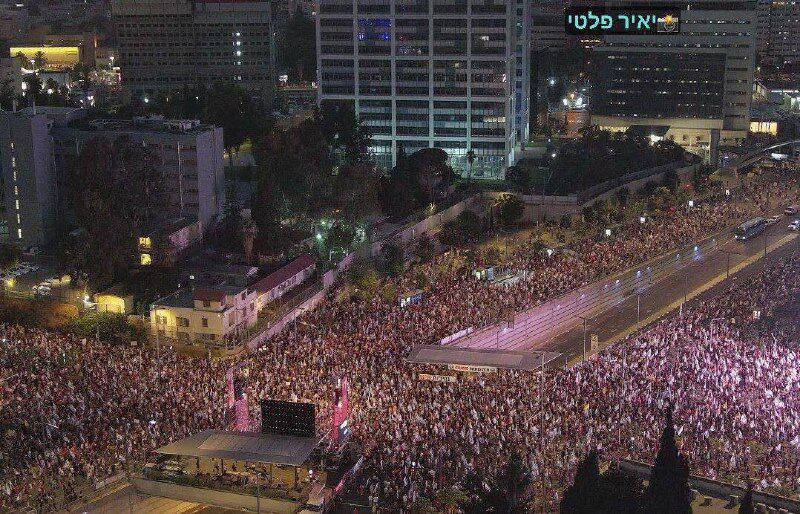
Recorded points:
(747,159)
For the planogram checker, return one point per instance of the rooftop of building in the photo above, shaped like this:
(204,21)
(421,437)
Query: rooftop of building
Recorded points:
(781,84)
(50,111)
(200,290)
(761,111)
(170,226)
(269,448)
(145,124)
(284,273)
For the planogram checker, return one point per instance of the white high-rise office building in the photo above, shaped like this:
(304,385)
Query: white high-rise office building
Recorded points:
(427,74)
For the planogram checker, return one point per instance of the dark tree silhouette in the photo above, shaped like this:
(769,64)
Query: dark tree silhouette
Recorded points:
(747,506)
(580,497)
(297,54)
(613,492)
(116,193)
(518,179)
(668,491)
(510,492)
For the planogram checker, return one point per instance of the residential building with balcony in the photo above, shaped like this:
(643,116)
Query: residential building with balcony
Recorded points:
(211,315)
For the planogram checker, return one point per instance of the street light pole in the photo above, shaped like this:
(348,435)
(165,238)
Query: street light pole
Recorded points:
(584,339)
(541,418)
(584,336)
(619,427)
(728,265)
(158,351)
(685,287)
(728,261)
(638,310)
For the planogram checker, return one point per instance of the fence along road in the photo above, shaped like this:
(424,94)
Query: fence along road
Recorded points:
(534,327)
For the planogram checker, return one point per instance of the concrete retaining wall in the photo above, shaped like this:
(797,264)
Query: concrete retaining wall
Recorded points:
(404,238)
(715,488)
(634,186)
(541,207)
(210,497)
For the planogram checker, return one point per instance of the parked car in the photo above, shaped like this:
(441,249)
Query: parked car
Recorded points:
(42,290)
(773,219)
(795,225)
(792,210)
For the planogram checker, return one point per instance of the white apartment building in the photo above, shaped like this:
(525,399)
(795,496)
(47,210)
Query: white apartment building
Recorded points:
(427,74)
(210,315)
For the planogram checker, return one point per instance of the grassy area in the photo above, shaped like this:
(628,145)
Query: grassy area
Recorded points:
(44,313)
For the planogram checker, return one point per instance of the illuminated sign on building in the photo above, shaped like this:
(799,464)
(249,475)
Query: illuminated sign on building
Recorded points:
(600,20)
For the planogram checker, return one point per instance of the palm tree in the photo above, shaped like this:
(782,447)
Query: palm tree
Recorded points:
(23,59)
(39,60)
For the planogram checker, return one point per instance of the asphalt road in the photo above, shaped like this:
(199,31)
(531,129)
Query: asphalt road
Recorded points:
(671,290)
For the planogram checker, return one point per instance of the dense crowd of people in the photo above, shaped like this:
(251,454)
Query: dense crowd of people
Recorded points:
(74,411)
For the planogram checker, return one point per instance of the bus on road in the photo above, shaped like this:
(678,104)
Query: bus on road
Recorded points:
(750,228)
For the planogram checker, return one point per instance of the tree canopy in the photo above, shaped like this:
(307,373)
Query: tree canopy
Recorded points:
(310,171)
(510,208)
(297,53)
(416,181)
(114,191)
(612,492)
(600,155)
(225,105)
(510,492)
